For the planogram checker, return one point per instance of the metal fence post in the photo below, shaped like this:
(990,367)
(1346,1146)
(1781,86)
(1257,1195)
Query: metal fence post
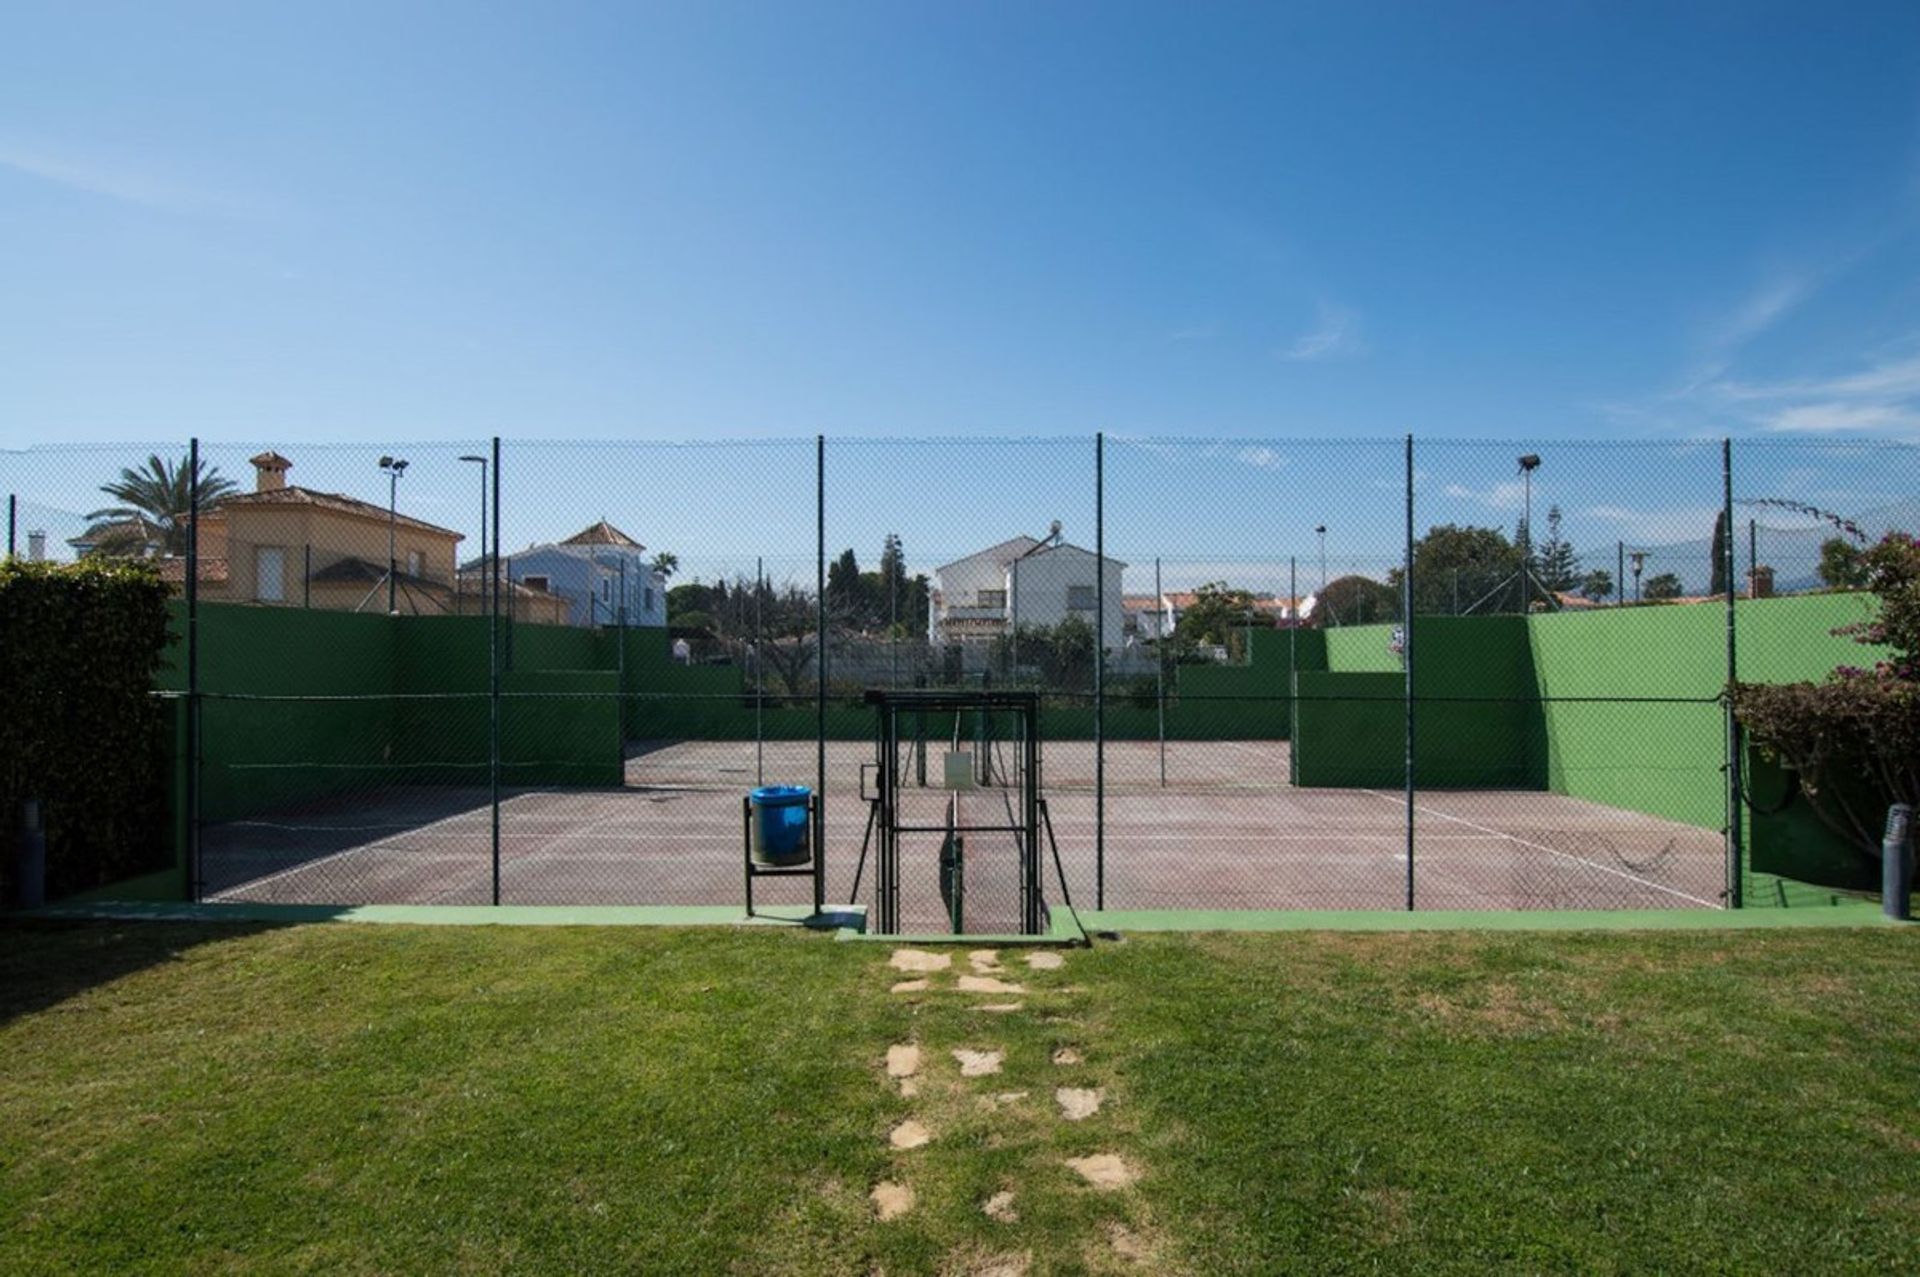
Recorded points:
(1735,885)
(1100,671)
(1160,673)
(759,676)
(196,880)
(492,582)
(820,690)
(1406,653)
(13,520)
(1293,645)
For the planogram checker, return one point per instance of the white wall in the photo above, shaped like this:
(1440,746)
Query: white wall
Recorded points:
(1043,580)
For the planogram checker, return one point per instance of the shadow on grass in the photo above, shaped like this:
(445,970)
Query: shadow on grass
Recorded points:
(44,962)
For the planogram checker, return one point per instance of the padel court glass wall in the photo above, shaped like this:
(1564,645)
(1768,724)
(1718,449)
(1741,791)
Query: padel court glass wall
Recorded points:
(1269,674)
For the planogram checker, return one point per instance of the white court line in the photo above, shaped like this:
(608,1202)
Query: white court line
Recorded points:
(290,870)
(1551,851)
(1496,833)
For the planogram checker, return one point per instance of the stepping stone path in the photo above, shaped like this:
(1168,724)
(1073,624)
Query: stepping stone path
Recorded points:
(1105,1171)
(906,1065)
(979,1063)
(909,1134)
(1078,1103)
(890,1200)
(987,984)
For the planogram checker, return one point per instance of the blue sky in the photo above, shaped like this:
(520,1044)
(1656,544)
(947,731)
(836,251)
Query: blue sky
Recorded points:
(356,224)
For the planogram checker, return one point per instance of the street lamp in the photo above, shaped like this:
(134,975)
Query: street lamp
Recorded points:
(1528,464)
(1320,531)
(486,572)
(1639,561)
(395,467)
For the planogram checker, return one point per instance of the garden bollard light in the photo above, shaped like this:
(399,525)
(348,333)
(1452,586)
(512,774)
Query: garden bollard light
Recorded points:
(1896,863)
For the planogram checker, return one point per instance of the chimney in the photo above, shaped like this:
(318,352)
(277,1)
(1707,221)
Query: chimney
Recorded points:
(36,546)
(1760,582)
(270,472)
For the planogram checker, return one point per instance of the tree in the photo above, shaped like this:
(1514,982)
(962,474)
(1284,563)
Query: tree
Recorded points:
(1664,586)
(1597,585)
(689,596)
(666,563)
(1555,565)
(1841,565)
(1718,581)
(1477,566)
(1062,654)
(843,589)
(893,571)
(1216,616)
(1356,600)
(155,507)
(1853,739)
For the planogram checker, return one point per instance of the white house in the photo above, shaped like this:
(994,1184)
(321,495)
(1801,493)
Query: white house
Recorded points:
(1024,581)
(589,569)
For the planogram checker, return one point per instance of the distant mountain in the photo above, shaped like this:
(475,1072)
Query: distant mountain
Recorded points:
(1793,552)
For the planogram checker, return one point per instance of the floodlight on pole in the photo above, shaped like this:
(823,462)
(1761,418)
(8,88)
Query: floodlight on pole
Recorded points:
(1529,462)
(1320,530)
(395,467)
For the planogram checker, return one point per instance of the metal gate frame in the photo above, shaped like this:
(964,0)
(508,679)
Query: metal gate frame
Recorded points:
(884,815)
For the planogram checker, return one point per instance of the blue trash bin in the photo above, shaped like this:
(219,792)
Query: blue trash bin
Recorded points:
(782,825)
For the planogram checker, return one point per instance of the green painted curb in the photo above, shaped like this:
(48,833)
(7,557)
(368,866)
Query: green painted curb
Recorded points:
(1846,915)
(841,918)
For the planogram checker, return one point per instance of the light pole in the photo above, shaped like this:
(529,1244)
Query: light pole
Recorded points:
(395,467)
(1528,464)
(1320,531)
(485,601)
(1639,561)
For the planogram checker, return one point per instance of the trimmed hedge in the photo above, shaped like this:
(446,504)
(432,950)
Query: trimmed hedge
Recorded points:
(80,728)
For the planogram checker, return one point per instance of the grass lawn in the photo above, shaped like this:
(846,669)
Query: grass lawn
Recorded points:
(386,1098)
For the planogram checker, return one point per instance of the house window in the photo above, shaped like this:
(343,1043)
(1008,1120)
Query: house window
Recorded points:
(416,563)
(270,574)
(1079,598)
(606,589)
(535,583)
(990,598)
(649,597)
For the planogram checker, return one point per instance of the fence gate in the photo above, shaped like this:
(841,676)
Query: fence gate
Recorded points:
(956,837)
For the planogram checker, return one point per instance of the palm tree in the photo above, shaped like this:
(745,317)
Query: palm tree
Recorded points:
(155,503)
(666,563)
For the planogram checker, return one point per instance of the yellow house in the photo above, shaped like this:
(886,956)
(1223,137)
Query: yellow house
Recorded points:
(288,546)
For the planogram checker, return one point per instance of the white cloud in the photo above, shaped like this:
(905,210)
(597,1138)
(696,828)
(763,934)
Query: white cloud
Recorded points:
(128,181)
(1501,496)
(1655,527)
(1880,398)
(1260,458)
(1335,333)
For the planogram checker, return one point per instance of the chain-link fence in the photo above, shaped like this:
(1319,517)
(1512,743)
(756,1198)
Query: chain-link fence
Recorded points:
(548,672)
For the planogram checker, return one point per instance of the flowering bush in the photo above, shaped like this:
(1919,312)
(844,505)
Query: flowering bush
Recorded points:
(1854,739)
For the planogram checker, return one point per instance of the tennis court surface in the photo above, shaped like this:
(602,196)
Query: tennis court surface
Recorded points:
(1224,831)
